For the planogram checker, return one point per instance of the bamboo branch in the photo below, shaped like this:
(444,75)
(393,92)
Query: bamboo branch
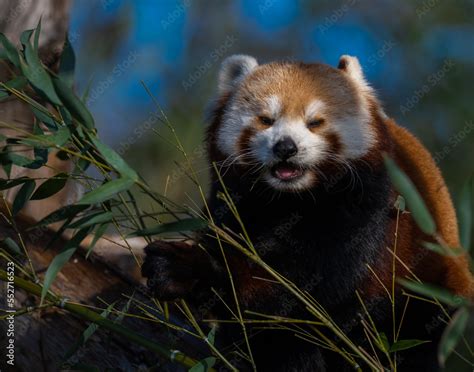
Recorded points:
(92,316)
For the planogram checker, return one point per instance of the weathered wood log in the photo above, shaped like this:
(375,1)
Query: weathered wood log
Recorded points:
(43,337)
(20,15)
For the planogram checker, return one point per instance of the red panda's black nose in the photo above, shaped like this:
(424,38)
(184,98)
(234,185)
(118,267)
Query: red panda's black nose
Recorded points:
(285,148)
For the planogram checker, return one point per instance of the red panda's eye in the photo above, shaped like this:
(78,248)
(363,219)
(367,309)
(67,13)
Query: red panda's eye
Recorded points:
(316,123)
(265,120)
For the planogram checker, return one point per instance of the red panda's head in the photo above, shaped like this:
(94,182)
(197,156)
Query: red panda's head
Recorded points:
(287,120)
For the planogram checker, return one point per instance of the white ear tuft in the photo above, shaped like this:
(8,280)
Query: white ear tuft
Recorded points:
(352,67)
(233,71)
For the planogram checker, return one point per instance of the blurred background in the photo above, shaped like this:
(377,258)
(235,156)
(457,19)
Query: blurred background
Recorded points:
(417,54)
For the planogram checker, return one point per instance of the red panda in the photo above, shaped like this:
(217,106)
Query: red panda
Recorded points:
(300,147)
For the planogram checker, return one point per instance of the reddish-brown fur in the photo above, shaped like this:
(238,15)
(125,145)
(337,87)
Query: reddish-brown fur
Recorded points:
(418,164)
(450,272)
(326,241)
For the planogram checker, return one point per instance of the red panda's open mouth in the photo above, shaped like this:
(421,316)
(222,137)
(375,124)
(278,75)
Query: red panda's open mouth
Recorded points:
(286,172)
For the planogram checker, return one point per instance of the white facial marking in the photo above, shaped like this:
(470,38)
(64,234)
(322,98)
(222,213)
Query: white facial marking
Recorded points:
(314,109)
(351,125)
(355,134)
(237,118)
(311,149)
(234,121)
(354,70)
(310,146)
(273,106)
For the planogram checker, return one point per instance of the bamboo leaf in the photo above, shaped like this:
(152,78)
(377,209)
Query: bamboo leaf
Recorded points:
(211,337)
(40,158)
(61,259)
(37,130)
(384,345)
(8,156)
(37,35)
(415,203)
(17,83)
(66,116)
(75,106)
(23,196)
(10,50)
(69,211)
(115,160)
(88,332)
(67,63)
(452,334)
(400,203)
(124,310)
(203,365)
(36,74)
(442,250)
(25,37)
(58,233)
(98,234)
(92,220)
(82,165)
(465,210)
(189,224)
(59,138)
(107,191)
(43,117)
(406,344)
(8,184)
(92,316)
(50,186)
(10,245)
(7,167)
(85,94)
(431,291)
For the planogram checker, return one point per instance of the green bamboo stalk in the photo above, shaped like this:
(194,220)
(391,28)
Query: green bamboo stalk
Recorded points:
(92,316)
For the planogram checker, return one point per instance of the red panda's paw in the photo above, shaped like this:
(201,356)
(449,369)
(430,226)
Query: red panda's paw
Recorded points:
(169,269)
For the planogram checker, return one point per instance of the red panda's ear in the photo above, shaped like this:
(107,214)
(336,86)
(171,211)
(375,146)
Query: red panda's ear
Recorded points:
(351,66)
(233,71)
